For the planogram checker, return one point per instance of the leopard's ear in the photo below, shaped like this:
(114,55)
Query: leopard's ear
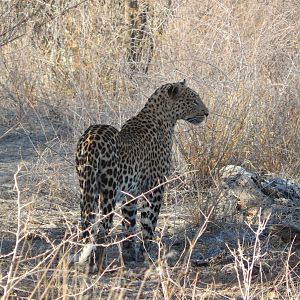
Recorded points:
(173,90)
(183,82)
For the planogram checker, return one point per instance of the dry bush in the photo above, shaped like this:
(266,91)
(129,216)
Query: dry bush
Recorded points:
(97,61)
(246,58)
(255,270)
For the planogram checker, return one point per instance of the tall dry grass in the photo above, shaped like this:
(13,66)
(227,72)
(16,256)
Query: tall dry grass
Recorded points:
(67,64)
(72,59)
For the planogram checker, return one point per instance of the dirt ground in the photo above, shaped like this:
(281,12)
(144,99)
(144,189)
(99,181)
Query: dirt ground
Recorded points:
(49,215)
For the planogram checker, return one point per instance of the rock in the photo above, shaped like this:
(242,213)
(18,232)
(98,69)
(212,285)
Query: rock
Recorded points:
(281,188)
(244,194)
(240,195)
(288,233)
(231,172)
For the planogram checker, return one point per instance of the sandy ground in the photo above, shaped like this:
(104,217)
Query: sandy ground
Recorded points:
(49,194)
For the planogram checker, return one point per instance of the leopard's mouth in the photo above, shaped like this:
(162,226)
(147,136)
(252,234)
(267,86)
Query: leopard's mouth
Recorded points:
(196,120)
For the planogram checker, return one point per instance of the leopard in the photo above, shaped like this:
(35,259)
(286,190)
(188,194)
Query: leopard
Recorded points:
(130,165)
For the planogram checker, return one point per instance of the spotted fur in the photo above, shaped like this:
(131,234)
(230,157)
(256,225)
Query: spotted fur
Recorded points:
(134,160)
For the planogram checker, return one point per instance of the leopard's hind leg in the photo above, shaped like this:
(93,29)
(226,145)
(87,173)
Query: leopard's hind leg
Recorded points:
(97,169)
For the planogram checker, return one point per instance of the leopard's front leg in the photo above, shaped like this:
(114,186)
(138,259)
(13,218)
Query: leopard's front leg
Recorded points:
(149,216)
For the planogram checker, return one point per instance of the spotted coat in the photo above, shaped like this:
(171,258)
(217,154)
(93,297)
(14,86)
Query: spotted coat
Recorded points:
(120,165)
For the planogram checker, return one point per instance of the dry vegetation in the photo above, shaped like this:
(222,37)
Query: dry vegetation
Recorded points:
(67,64)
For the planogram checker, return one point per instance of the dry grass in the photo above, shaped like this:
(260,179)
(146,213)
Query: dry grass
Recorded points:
(67,64)
(38,266)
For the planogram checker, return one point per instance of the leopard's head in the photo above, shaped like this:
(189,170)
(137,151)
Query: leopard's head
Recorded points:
(186,103)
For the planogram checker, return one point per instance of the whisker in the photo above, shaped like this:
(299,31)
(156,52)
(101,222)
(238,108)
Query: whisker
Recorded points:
(226,117)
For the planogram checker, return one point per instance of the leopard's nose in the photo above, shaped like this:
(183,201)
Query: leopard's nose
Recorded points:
(206,113)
